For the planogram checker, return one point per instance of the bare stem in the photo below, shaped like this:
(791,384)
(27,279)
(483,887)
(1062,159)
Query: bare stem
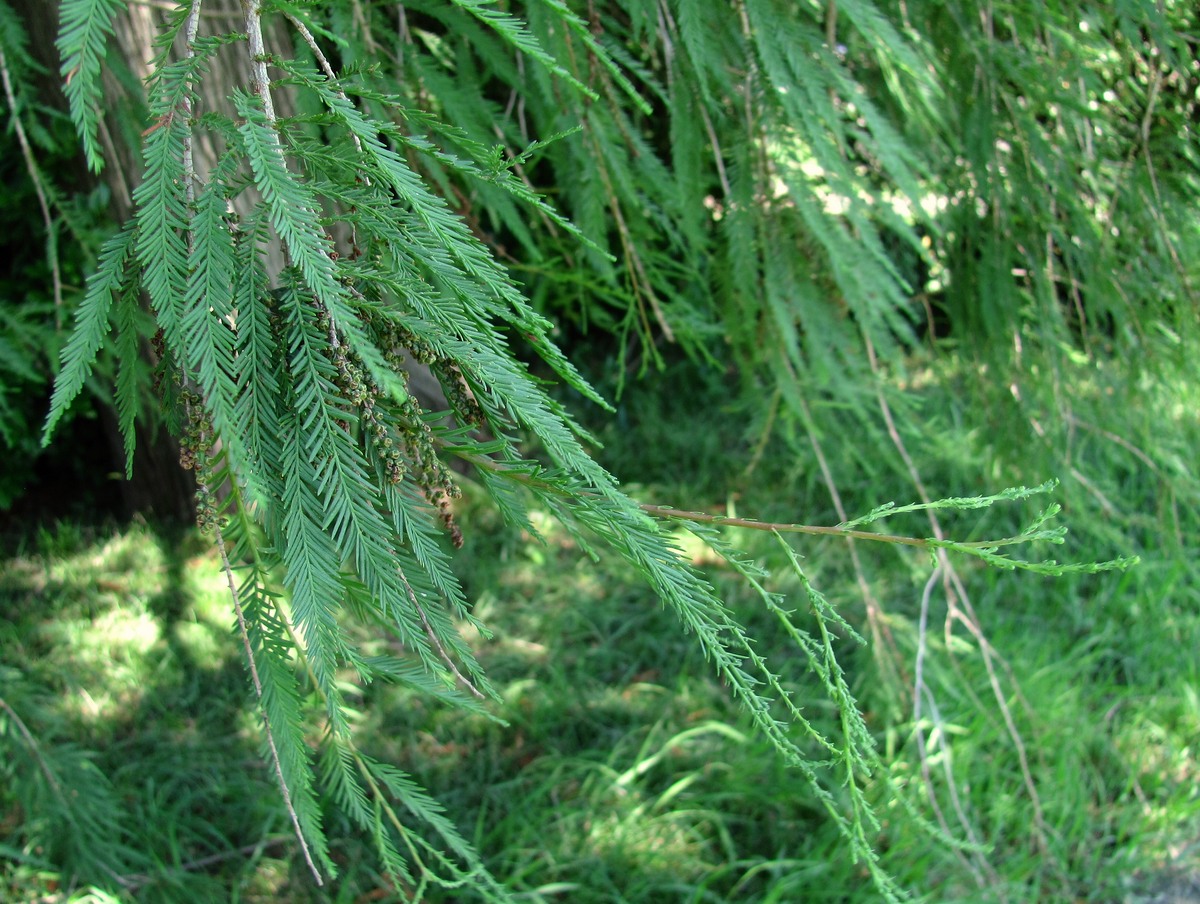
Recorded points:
(191,29)
(432,635)
(786,528)
(35,177)
(258,56)
(258,690)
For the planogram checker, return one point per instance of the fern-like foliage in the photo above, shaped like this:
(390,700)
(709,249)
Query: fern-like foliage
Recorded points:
(718,170)
(78,819)
(337,482)
(91,325)
(337,478)
(84,29)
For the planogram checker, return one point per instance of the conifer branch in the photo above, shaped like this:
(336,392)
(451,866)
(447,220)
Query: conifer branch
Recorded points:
(437,643)
(277,765)
(323,62)
(84,29)
(191,29)
(335,477)
(189,174)
(663,511)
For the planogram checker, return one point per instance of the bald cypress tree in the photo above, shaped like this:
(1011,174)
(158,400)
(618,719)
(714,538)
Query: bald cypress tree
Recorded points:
(327,195)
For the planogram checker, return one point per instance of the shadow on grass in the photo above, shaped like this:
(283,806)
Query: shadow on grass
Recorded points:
(621,775)
(625,772)
(131,742)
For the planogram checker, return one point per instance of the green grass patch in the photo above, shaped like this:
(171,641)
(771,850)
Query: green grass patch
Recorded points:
(1053,756)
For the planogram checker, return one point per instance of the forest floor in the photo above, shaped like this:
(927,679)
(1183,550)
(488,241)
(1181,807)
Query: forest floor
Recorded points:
(1055,757)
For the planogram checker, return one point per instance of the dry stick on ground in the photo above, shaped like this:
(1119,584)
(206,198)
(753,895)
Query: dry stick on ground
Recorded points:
(134,881)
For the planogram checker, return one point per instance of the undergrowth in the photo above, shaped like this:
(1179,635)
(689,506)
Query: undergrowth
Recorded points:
(621,769)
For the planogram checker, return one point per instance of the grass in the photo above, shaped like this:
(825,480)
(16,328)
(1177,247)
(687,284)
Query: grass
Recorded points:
(623,772)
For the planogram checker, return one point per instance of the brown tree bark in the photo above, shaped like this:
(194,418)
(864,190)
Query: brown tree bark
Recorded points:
(159,485)
(159,488)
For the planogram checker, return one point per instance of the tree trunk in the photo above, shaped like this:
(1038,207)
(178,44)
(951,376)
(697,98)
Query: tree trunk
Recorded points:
(159,486)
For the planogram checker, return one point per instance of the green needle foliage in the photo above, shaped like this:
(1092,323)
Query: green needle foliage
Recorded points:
(337,481)
(786,177)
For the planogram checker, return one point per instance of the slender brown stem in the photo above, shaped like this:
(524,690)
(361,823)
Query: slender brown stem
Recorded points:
(433,638)
(276,763)
(786,528)
(783,527)
(36,178)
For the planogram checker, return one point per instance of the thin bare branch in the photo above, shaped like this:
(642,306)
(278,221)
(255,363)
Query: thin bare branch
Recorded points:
(258,57)
(432,635)
(36,177)
(258,690)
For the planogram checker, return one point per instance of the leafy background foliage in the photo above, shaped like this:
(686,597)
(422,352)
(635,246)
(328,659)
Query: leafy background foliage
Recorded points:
(831,207)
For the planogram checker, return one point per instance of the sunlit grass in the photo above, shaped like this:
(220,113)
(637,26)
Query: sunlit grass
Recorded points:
(620,771)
